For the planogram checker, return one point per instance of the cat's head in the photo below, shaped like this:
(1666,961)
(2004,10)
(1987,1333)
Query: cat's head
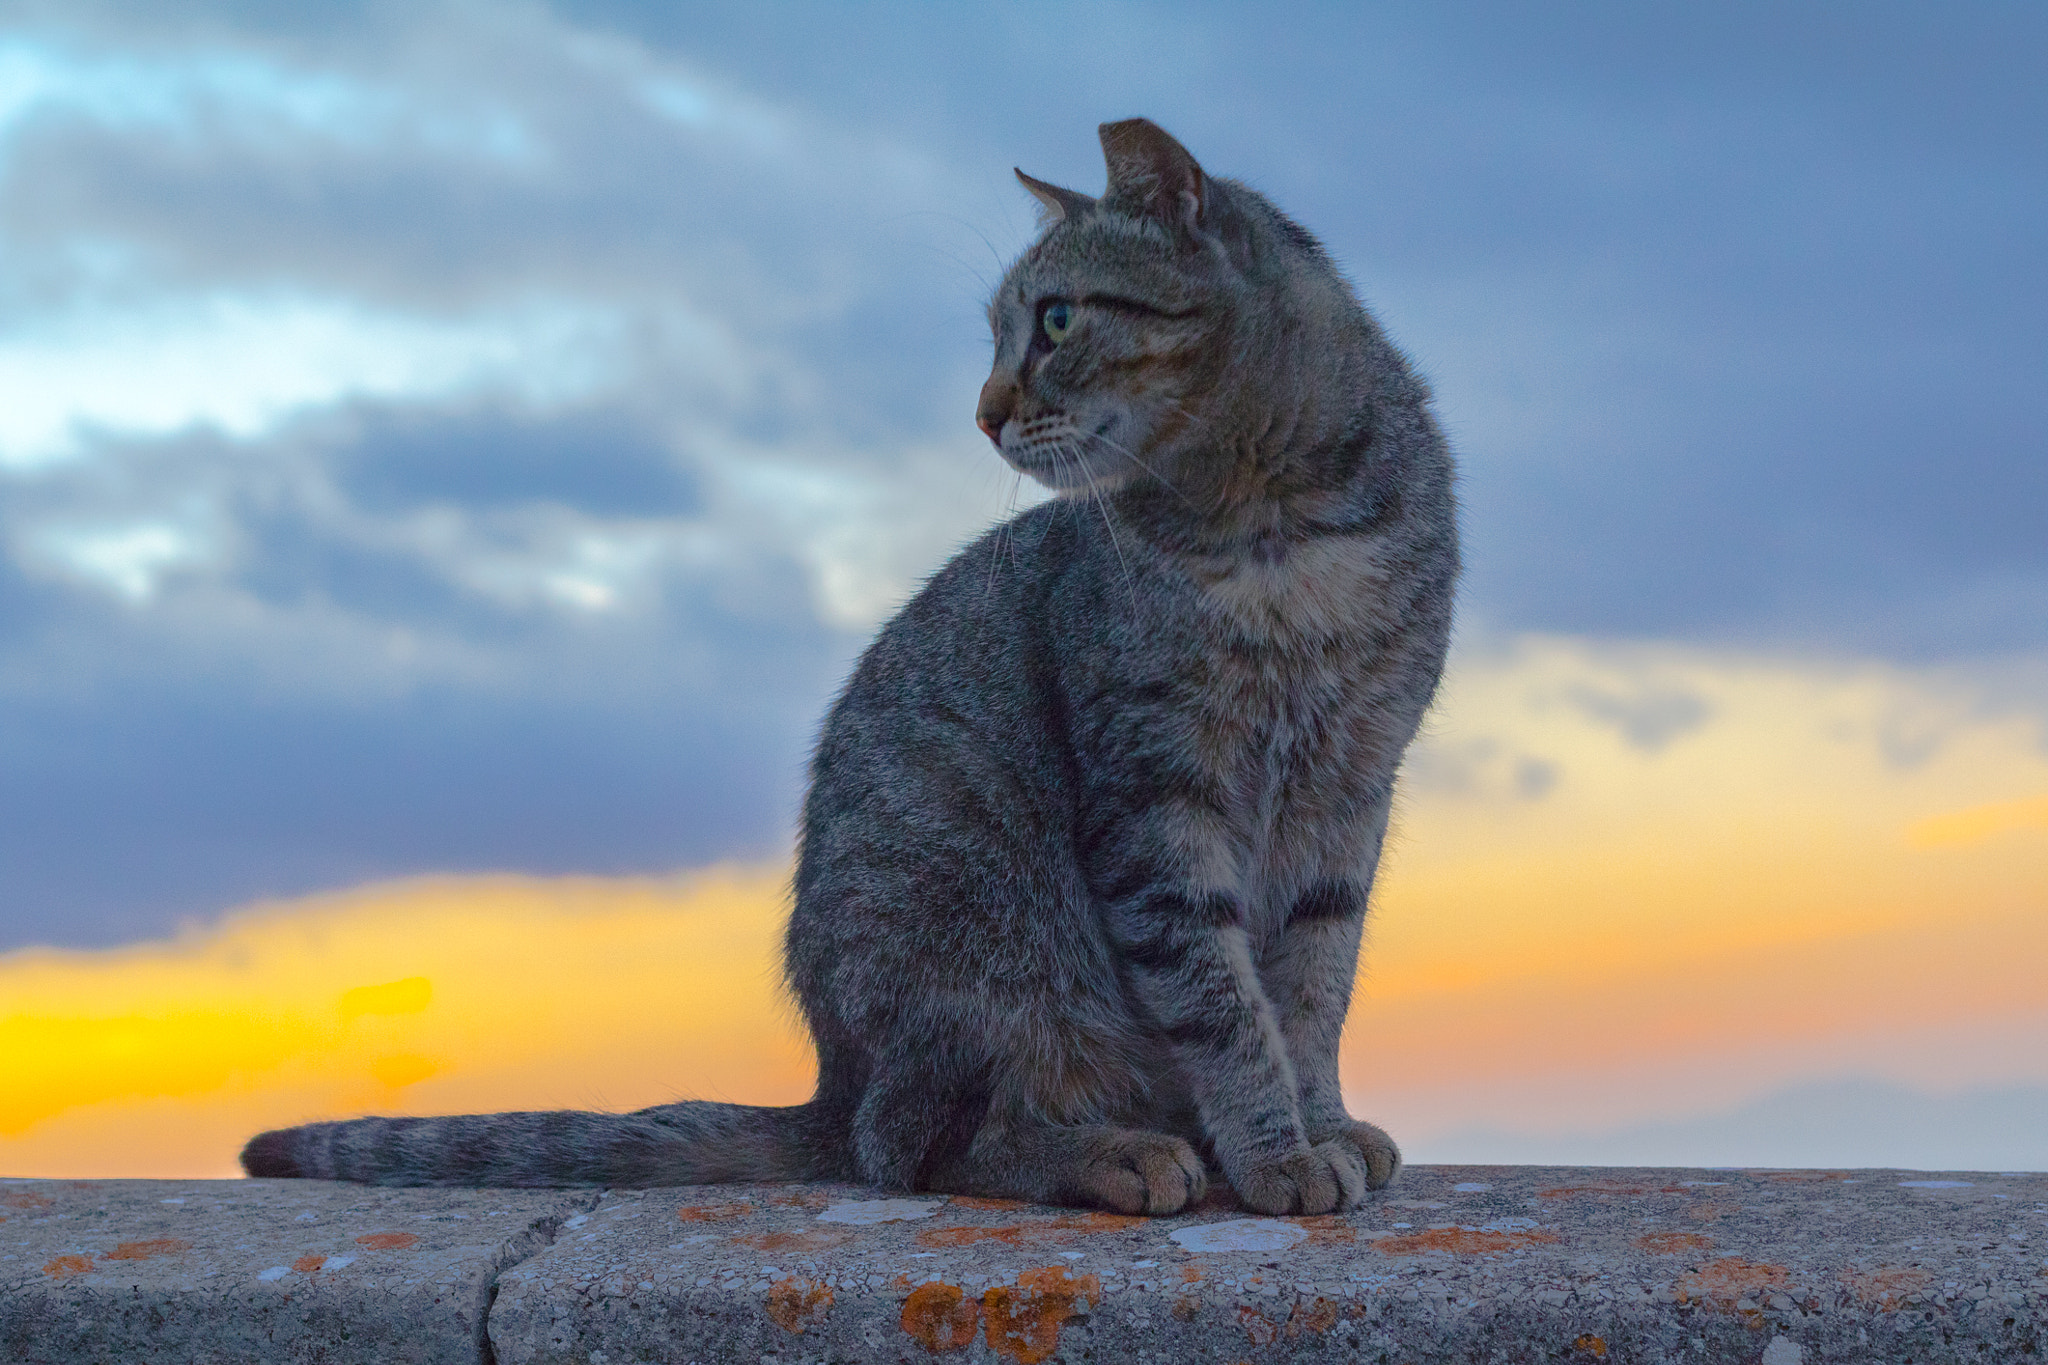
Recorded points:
(1179,330)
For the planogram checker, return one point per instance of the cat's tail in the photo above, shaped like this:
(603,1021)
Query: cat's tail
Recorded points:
(690,1143)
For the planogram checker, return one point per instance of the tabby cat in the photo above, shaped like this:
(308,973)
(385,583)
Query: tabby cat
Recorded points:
(1091,831)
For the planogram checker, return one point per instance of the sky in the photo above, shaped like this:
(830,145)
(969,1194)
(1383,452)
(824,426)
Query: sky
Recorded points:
(450,453)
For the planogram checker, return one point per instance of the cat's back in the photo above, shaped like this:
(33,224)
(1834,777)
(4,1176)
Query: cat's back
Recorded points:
(953,716)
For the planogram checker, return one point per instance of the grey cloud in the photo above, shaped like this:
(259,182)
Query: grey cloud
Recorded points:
(172,763)
(163,804)
(600,462)
(1738,344)
(1649,718)
(1481,768)
(1534,778)
(1740,340)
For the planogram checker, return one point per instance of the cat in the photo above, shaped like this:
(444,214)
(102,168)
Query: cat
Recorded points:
(1091,831)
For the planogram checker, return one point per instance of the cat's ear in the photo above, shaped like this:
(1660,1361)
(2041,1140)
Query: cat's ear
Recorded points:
(1153,174)
(1058,203)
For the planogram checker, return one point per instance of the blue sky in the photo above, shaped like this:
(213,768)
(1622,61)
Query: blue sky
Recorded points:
(462,437)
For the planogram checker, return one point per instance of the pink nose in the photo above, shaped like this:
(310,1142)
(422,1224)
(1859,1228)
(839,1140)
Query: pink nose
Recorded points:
(998,401)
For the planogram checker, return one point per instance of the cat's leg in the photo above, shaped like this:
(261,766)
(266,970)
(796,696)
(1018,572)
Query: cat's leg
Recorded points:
(1190,964)
(912,1112)
(1308,970)
(1129,1170)
(931,1119)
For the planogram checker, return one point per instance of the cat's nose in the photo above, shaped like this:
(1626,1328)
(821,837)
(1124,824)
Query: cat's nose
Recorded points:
(998,401)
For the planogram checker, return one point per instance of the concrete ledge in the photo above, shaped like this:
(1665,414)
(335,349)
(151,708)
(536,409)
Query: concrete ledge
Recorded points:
(258,1270)
(1494,1264)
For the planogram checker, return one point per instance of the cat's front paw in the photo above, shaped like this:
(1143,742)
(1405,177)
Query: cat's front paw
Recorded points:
(1133,1171)
(1312,1180)
(1378,1159)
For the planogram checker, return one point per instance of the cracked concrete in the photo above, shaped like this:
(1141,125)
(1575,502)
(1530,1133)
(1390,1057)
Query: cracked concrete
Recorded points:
(1496,1264)
(216,1271)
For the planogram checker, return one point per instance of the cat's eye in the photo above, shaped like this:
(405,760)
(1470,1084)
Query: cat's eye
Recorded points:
(1055,320)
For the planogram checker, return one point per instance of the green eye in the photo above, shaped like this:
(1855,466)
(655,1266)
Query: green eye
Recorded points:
(1057,317)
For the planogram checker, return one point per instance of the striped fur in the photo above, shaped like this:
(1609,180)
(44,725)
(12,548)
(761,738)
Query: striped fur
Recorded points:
(1091,832)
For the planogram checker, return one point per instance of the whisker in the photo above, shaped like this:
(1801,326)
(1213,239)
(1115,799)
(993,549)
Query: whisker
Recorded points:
(1108,522)
(1002,264)
(1132,456)
(1006,538)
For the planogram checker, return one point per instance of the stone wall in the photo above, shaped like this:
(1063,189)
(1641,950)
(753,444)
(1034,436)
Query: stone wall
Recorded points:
(1495,1264)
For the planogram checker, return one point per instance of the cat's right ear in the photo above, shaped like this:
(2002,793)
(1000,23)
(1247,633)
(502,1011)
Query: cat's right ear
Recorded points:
(1059,204)
(1151,174)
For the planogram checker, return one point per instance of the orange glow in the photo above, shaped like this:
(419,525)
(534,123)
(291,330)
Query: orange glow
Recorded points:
(1979,823)
(1808,872)
(416,997)
(1751,901)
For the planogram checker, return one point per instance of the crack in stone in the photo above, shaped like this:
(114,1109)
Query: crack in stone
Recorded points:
(537,1237)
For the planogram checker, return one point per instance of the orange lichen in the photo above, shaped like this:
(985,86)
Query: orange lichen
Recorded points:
(1185,1307)
(1316,1316)
(142,1251)
(711,1213)
(1009,1235)
(800,1198)
(1055,1280)
(941,1317)
(1607,1191)
(387,1241)
(795,1303)
(1191,1273)
(1258,1328)
(64,1267)
(22,1199)
(1326,1229)
(1888,1288)
(1712,1213)
(1461,1242)
(1593,1346)
(975,1201)
(1024,1322)
(308,1264)
(1098,1221)
(1671,1243)
(1723,1283)
(807,1239)
(1062,1229)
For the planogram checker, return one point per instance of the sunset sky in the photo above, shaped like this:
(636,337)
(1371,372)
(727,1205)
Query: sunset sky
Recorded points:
(451,452)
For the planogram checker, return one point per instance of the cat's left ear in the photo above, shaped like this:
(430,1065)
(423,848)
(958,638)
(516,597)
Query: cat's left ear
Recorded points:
(1058,202)
(1153,174)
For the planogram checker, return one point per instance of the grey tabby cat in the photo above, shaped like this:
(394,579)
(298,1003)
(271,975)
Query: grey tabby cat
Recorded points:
(1092,829)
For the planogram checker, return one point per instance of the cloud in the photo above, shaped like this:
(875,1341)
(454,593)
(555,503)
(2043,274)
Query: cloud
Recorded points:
(241,366)
(472,398)
(1649,720)
(128,559)
(237,94)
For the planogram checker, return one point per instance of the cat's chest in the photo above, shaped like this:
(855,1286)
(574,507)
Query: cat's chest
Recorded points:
(1289,600)
(1286,708)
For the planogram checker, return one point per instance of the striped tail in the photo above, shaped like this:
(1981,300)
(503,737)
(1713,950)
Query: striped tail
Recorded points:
(694,1142)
